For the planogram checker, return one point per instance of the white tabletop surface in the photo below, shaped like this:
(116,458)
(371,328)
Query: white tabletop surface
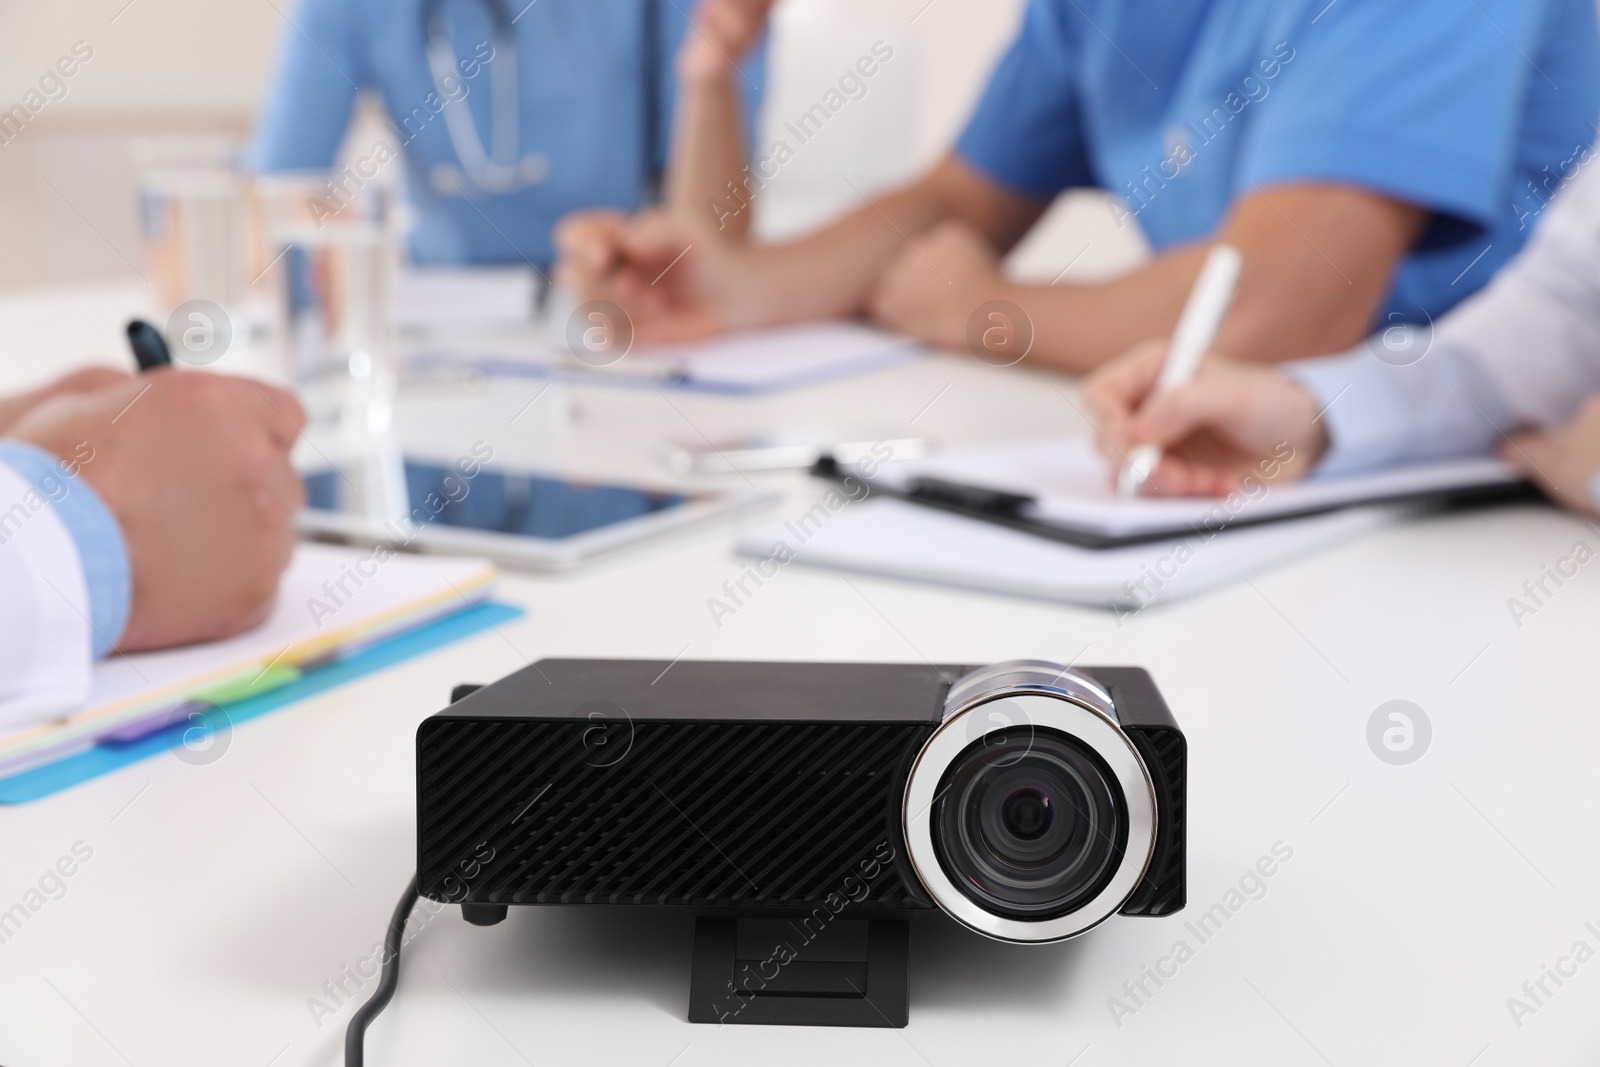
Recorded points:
(219,899)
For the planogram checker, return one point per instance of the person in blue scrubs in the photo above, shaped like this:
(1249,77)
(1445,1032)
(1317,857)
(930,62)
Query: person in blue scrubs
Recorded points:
(505,114)
(1374,160)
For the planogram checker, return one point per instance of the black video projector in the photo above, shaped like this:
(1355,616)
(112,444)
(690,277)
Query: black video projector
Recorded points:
(1027,800)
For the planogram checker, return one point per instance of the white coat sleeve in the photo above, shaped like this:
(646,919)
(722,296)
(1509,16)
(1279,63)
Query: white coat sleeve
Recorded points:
(45,635)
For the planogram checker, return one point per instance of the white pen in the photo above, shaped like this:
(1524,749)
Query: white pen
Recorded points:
(1197,329)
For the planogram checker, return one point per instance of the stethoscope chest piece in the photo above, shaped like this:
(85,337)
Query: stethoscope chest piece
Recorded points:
(448,179)
(500,167)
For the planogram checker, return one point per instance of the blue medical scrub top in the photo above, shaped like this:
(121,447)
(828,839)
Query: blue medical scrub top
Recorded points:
(1473,109)
(583,94)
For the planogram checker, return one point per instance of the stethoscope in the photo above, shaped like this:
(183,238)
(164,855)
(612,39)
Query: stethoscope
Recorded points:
(500,168)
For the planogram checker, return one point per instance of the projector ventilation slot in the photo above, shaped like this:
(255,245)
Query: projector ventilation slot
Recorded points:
(682,813)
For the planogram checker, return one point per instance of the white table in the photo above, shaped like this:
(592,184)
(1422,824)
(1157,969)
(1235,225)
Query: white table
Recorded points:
(220,898)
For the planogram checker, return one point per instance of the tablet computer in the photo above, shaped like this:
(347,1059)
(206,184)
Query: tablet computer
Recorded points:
(530,519)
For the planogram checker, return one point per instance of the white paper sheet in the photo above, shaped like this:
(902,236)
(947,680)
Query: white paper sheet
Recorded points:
(781,357)
(750,361)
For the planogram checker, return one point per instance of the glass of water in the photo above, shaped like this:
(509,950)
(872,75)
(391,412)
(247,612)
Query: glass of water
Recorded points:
(334,255)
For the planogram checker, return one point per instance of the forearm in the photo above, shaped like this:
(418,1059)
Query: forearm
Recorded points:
(1076,328)
(1079,327)
(1523,353)
(830,273)
(834,271)
(1535,330)
(1317,263)
(705,178)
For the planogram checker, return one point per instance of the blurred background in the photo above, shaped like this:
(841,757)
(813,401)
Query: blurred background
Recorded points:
(193,73)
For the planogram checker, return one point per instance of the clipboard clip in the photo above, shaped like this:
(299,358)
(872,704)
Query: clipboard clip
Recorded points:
(959,496)
(977,499)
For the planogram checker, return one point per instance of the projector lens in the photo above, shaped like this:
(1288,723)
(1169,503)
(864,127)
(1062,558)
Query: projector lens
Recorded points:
(1029,823)
(1027,814)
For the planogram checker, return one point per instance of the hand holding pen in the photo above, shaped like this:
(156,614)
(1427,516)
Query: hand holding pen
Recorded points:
(1175,424)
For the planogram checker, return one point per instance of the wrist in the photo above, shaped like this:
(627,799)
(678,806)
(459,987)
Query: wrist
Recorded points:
(702,68)
(1319,443)
(1008,331)
(754,297)
(11,410)
(1315,435)
(999,288)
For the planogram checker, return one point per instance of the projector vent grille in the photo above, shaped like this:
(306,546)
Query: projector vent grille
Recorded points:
(1165,753)
(709,814)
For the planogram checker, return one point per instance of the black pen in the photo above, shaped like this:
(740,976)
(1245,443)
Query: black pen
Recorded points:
(149,347)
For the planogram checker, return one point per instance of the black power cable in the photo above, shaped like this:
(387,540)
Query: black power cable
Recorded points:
(387,980)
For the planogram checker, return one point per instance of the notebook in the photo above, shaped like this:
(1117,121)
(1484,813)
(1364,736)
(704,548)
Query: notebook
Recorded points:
(332,603)
(899,539)
(1061,488)
(460,297)
(747,362)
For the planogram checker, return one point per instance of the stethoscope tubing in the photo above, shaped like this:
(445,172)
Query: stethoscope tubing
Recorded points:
(499,168)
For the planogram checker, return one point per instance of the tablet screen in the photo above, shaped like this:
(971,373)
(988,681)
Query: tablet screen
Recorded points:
(506,501)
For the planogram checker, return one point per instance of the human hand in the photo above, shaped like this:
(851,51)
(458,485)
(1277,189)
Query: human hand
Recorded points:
(87,380)
(1564,461)
(674,279)
(195,467)
(1233,419)
(720,35)
(931,290)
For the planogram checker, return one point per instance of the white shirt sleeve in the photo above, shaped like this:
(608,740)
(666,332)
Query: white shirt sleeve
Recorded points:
(1535,329)
(1522,354)
(45,639)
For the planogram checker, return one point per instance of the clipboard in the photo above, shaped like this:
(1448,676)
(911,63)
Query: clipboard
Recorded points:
(991,483)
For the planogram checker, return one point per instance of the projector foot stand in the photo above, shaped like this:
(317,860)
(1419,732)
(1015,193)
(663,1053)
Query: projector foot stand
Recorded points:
(483,914)
(796,992)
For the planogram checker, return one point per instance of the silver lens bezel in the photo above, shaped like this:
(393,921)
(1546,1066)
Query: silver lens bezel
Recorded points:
(1088,724)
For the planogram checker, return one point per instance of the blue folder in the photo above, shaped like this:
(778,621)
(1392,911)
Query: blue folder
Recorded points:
(102,758)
